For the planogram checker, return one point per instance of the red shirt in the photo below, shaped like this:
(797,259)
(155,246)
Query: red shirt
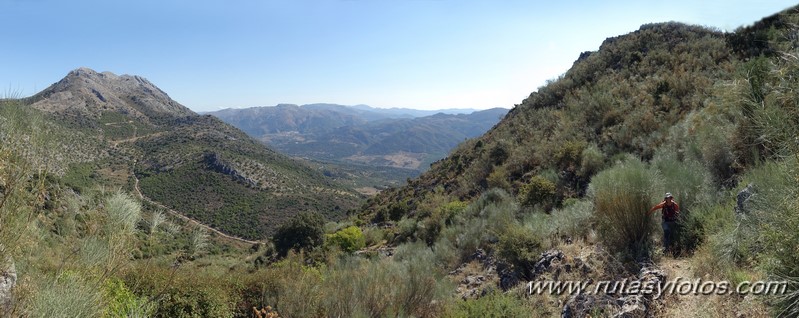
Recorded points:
(663,204)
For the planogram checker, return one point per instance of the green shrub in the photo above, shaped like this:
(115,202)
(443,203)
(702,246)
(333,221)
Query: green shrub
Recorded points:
(497,197)
(498,154)
(373,235)
(501,215)
(592,161)
(568,155)
(494,304)
(21,189)
(572,220)
(304,231)
(520,247)
(449,211)
(446,253)
(397,210)
(123,303)
(538,190)
(716,151)
(182,292)
(622,196)
(430,228)
(349,239)
(499,178)
(480,222)
(406,285)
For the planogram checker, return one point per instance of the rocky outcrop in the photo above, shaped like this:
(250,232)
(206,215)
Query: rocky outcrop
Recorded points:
(618,304)
(215,163)
(743,205)
(547,260)
(508,276)
(476,283)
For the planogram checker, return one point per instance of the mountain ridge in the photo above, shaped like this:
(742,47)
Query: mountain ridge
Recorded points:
(342,133)
(85,92)
(196,164)
(547,133)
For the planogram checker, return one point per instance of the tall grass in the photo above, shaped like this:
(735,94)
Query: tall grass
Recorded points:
(123,214)
(69,295)
(407,285)
(692,185)
(622,196)
(23,167)
(776,213)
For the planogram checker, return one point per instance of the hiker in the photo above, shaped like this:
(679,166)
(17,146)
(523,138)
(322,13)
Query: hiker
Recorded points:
(671,213)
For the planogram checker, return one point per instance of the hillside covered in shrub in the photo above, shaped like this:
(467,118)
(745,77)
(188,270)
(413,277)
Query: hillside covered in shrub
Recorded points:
(667,108)
(559,190)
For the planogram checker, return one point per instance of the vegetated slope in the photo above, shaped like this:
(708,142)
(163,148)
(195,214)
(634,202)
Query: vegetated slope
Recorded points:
(623,98)
(361,135)
(195,164)
(669,107)
(75,249)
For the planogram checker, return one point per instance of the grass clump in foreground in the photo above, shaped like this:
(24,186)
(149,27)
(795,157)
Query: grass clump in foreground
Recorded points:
(622,196)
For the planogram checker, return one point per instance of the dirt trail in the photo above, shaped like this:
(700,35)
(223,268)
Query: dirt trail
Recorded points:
(699,305)
(681,305)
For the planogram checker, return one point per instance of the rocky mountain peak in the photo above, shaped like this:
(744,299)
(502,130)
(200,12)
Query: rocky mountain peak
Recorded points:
(85,92)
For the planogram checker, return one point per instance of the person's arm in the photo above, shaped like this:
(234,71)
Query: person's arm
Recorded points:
(659,206)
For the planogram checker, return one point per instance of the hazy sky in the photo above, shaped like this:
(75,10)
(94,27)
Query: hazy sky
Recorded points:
(385,53)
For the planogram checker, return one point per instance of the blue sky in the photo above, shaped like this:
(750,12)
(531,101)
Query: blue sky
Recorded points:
(422,54)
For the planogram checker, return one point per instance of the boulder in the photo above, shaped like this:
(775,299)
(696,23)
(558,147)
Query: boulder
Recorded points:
(743,205)
(546,260)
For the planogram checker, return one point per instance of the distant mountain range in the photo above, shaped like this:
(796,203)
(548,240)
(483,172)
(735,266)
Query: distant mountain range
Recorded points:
(196,164)
(396,137)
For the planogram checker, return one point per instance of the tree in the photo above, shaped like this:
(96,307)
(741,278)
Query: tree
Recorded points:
(304,231)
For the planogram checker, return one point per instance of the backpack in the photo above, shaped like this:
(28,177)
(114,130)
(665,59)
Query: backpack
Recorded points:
(669,213)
